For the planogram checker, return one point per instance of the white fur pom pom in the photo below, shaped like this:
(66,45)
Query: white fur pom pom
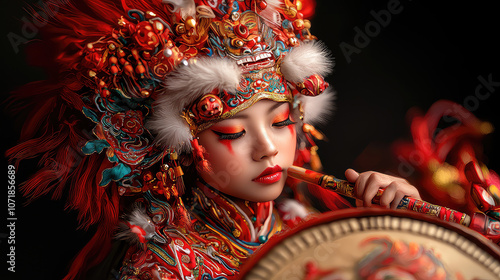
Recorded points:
(171,129)
(317,109)
(201,76)
(305,60)
(182,87)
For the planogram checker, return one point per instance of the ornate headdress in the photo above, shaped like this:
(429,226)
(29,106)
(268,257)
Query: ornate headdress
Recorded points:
(137,80)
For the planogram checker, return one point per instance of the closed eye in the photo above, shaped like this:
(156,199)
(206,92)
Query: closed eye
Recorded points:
(284,123)
(229,136)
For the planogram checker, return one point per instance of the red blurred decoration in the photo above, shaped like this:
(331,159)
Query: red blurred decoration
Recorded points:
(308,8)
(441,154)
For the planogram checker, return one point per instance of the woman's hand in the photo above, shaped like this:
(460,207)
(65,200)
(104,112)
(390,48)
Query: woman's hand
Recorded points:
(368,183)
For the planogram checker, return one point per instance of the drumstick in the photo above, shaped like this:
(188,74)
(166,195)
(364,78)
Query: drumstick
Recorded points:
(346,188)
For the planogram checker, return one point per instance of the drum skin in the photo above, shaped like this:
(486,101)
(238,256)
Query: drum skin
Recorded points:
(375,244)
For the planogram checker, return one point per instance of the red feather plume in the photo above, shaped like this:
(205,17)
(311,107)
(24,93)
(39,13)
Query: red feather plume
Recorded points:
(55,128)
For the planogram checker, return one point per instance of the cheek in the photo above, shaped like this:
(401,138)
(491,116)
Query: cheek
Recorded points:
(287,141)
(216,150)
(228,145)
(293,142)
(226,157)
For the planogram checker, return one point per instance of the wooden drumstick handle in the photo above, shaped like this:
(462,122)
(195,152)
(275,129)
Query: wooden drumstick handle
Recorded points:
(346,188)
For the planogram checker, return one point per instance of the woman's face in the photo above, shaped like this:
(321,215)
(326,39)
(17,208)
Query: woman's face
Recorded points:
(250,152)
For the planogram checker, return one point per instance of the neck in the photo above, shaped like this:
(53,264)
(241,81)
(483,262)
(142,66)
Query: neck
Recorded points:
(248,218)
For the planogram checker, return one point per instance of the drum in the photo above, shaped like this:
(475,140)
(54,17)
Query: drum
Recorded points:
(375,244)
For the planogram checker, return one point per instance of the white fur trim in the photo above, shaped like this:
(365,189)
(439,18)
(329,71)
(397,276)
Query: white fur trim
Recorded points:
(317,109)
(305,60)
(171,129)
(187,7)
(200,77)
(182,87)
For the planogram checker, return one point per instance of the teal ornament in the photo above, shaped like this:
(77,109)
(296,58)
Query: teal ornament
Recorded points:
(90,114)
(262,239)
(95,146)
(114,174)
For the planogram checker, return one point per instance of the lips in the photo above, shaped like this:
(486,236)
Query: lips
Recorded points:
(270,175)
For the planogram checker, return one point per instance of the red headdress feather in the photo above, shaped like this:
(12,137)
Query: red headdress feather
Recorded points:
(50,133)
(55,128)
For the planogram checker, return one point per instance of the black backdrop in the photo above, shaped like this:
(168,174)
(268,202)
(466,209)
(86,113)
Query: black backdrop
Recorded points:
(428,51)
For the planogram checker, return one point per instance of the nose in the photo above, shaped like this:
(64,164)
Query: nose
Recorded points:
(264,146)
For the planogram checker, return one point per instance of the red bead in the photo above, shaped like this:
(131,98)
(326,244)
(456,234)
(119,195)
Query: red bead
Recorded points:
(262,5)
(129,68)
(298,24)
(114,70)
(105,93)
(113,60)
(140,69)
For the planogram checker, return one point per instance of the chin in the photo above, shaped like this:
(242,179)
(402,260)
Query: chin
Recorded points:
(265,193)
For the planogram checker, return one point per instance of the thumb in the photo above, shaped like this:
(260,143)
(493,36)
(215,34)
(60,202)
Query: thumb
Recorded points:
(351,175)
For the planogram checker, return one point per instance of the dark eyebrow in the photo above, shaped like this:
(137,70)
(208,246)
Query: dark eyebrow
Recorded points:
(243,115)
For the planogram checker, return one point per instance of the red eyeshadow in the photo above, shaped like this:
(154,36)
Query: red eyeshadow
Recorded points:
(228,129)
(282,117)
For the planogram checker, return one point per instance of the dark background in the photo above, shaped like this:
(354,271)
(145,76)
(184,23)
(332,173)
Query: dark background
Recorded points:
(429,51)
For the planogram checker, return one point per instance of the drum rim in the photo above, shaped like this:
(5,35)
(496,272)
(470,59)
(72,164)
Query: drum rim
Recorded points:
(482,242)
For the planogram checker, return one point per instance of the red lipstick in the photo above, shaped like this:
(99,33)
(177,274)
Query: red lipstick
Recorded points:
(270,175)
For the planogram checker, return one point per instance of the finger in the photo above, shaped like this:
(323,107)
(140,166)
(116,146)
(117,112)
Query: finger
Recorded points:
(372,185)
(361,184)
(351,175)
(359,203)
(388,196)
(387,179)
(397,199)
(397,179)
(413,192)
